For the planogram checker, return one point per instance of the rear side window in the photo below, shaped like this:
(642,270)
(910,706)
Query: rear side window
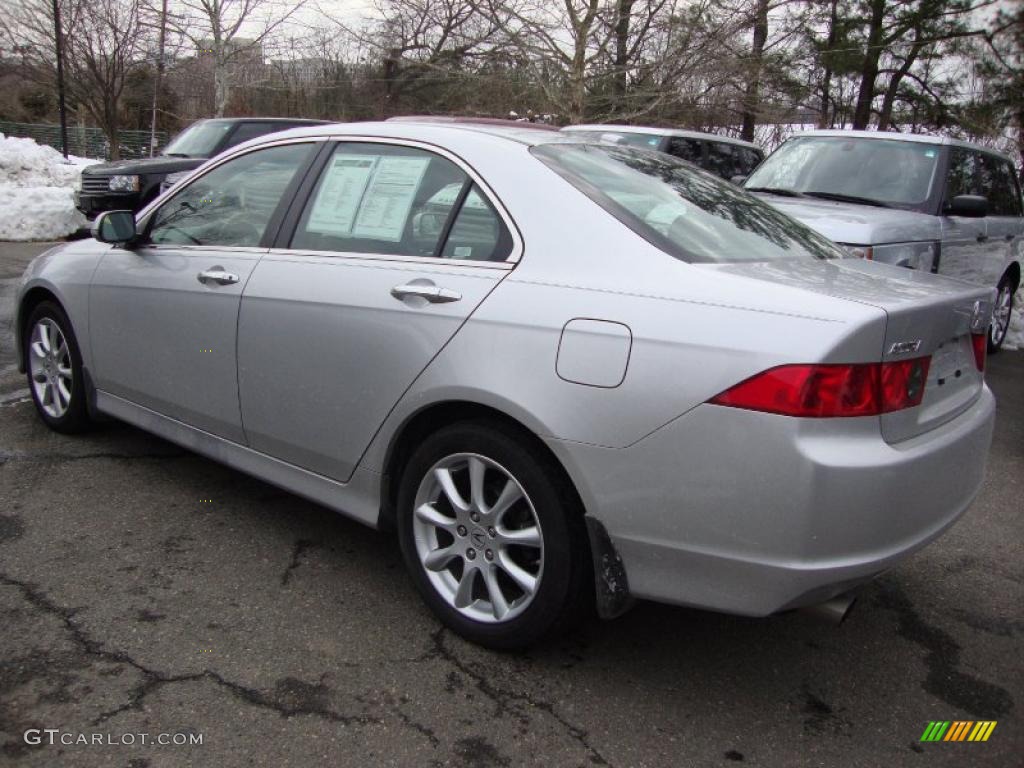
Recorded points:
(728,160)
(401,201)
(690,150)
(688,214)
(1000,186)
(247,131)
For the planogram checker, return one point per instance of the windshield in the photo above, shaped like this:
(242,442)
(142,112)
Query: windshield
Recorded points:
(199,139)
(885,171)
(690,214)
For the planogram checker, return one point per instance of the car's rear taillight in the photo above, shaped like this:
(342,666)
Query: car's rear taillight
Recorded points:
(980,343)
(823,391)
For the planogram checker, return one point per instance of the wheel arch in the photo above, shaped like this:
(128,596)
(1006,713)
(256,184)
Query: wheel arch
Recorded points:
(427,420)
(1013,272)
(31,299)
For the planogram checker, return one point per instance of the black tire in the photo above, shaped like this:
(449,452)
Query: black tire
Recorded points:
(996,336)
(76,416)
(565,588)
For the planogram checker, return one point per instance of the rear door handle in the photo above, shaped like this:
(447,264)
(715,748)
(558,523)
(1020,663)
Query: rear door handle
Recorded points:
(432,293)
(217,275)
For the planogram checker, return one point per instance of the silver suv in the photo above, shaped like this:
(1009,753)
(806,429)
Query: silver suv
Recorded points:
(924,202)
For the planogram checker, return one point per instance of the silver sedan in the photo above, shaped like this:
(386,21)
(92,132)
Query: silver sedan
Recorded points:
(568,375)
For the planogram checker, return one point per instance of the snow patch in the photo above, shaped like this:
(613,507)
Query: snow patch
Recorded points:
(37,191)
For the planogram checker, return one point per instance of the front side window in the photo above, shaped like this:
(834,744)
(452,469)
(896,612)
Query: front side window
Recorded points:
(964,174)
(401,201)
(232,204)
(690,215)
(886,172)
(1000,186)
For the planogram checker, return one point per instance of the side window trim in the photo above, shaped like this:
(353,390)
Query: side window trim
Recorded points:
(453,214)
(286,232)
(273,223)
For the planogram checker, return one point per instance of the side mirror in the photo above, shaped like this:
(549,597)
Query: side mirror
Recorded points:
(115,227)
(973,206)
(738,179)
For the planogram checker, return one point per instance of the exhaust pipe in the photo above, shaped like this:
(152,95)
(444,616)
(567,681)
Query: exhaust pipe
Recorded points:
(833,611)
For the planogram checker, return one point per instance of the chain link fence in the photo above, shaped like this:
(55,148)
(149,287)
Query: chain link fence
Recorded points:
(86,142)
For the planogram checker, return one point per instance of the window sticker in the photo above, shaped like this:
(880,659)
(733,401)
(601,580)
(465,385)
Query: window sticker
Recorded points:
(389,197)
(337,202)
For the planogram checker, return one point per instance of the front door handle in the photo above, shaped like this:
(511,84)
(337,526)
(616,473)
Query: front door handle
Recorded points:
(217,275)
(982,238)
(432,293)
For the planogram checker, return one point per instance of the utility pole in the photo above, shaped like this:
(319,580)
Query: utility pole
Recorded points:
(58,37)
(159,77)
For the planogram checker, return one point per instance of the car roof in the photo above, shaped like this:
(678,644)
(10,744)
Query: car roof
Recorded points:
(426,131)
(917,138)
(289,120)
(462,120)
(612,128)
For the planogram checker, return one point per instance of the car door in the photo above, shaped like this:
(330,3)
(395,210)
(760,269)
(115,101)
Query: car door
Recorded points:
(163,315)
(1005,218)
(964,250)
(393,248)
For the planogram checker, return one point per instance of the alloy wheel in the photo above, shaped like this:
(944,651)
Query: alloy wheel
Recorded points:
(50,368)
(478,537)
(1001,315)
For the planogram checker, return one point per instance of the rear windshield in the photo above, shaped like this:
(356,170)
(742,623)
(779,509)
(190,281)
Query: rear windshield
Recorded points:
(690,214)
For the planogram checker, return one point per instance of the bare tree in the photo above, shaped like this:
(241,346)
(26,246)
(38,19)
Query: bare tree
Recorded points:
(233,34)
(103,42)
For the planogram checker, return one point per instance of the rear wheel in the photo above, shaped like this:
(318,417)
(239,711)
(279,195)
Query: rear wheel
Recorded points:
(54,367)
(1001,314)
(490,537)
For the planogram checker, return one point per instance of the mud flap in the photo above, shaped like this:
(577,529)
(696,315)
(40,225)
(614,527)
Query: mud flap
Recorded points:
(611,586)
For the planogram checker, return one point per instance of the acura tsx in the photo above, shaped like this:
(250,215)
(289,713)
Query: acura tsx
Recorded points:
(568,374)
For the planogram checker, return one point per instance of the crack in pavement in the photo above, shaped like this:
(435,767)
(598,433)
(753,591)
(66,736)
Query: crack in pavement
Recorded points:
(301,546)
(506,700)
(154,679)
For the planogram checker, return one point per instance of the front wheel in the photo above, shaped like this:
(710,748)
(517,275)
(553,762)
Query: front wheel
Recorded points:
(1001,315)
(54,368)
(491,538)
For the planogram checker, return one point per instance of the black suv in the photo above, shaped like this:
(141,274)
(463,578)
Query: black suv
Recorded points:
(131,184)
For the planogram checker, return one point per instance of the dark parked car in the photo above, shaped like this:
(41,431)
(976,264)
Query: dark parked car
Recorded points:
(723,156)
(131,184)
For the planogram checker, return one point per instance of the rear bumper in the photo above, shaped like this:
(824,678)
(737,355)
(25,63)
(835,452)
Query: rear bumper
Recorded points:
(752,513)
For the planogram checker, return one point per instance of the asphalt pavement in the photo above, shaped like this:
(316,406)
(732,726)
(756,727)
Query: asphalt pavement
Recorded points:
(147,593)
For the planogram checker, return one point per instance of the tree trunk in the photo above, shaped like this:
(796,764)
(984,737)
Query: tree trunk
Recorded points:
(623,12)
(869,70)
(221,86)
(753,91)
(885,115)
(824,119)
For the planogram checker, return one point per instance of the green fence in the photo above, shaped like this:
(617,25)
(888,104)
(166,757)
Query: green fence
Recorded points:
(86,142)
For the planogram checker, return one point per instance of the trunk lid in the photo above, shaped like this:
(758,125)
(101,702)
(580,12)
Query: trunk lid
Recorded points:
(926,316)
